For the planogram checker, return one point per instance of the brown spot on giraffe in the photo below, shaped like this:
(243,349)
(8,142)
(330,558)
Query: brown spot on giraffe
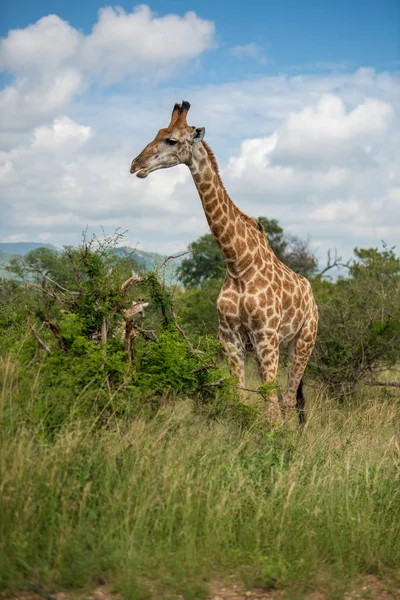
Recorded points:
(262,302)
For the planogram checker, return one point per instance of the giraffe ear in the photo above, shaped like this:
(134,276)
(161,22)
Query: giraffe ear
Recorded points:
(198,134)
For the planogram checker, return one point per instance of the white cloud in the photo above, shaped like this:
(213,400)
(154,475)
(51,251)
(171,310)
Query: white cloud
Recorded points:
(331,168)
(63,132)
(32,99)
(133,43)
(120,44)
(250,50)
(328,132)
(52,61)
(319,153)
(50,43)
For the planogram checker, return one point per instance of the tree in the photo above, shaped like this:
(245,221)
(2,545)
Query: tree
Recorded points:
(359,330)
(207,261)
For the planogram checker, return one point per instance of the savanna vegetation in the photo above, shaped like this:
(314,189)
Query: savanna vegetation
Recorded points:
(127,457)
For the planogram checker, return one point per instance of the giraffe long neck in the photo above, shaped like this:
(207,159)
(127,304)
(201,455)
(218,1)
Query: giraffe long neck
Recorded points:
(236,234)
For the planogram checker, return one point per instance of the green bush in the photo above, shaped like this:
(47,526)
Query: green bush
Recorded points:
(359,329)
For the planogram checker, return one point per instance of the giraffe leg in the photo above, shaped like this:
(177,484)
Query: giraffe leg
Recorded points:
(234,353)
(267,357)
(300,351)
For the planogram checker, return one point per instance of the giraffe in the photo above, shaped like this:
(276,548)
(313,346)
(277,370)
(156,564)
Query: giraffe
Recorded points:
(262,304)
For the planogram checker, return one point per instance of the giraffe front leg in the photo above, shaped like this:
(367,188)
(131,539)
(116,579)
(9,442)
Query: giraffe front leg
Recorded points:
(232,343)
(300,351)
(267,357)
(235,357)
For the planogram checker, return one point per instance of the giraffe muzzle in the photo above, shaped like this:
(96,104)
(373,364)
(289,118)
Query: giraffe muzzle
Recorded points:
(138,168)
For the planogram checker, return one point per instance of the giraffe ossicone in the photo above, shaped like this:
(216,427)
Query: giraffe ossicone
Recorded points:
(262,304)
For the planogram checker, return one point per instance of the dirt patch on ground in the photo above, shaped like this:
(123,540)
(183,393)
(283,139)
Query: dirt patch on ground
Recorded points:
(368,587)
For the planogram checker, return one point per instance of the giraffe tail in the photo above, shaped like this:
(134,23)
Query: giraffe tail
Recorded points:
(300,403)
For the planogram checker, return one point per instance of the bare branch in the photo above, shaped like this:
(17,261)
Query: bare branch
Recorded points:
(104,331)
(193,350)
(384,383)
(41,343)
(148,334)
(215,383)
(331,263)
(55,329)
(205,367)
(63,289)
(53,295)
(134,278)
(171,257)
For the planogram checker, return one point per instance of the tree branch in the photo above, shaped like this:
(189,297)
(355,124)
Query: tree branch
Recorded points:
(63,289)
(134,278)
(41,343)
(384,383)
(331,263)
(53,295)
(55,329)
(164,262)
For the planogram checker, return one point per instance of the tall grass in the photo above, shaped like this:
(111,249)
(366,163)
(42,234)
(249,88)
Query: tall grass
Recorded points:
(159,507)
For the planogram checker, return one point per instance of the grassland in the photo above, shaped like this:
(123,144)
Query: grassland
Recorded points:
(160,508)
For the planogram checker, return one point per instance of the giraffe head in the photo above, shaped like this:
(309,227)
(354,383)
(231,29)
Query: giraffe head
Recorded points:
(172,146)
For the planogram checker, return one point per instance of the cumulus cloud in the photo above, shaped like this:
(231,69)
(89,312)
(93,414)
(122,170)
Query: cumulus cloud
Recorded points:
(53,62)
(63,132)
(31,100)
(329,132)
(50,43)
(318,152)
(250,50)
(329,168)
(119,44)
(135,43)
(62,181)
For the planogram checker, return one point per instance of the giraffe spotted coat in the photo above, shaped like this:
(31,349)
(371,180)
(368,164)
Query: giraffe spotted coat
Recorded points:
(262,304)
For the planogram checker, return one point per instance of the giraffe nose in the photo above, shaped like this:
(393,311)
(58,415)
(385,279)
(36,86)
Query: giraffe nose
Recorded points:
(133,165)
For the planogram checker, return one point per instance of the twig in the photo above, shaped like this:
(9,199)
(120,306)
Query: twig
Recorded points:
(148,334)
(193,350)
(387,383)
(43,290)
(63,289)
(332,263)
(215,383)
(104,331)
(203,368)
(41,343)
(237,387)
(164,262)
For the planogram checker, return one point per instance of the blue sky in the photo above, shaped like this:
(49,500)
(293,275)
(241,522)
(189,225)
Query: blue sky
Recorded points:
(300,101)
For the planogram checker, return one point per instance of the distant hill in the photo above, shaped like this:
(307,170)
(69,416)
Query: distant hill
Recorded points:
(151,260)
(148,260)
(21,248)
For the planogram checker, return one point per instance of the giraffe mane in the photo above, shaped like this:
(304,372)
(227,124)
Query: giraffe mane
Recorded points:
(249,220)
(214,163)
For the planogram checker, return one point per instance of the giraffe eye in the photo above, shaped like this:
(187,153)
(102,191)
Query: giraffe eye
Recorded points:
(171,142)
